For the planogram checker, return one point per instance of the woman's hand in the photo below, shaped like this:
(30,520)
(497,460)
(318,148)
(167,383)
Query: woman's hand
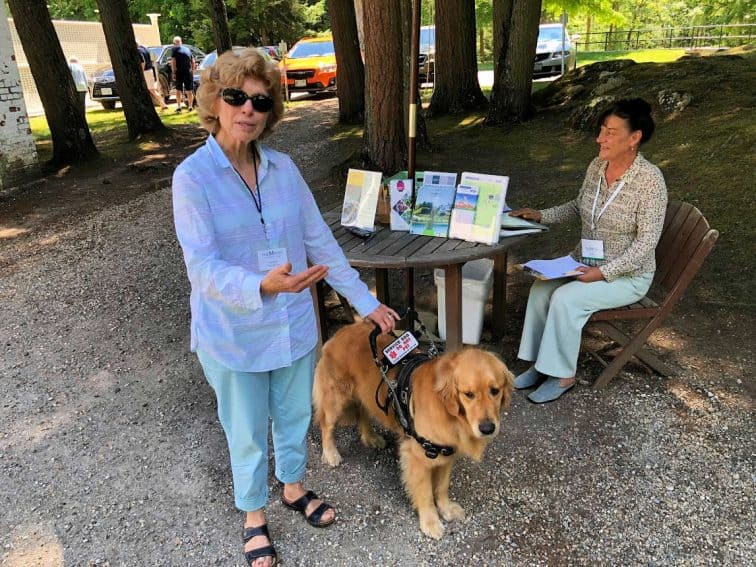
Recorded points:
(527,214)
(280,279)
(589,274)
(384,317)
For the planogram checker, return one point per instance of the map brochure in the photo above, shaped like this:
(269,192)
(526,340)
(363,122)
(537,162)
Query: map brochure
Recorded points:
(516,226)
(433,204)
(491,201)
(400,192)
(463,213)
(361,199)
(563,267)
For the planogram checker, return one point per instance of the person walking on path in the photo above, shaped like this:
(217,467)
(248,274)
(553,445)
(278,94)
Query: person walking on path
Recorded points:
(254,242)
(182,65)
(80,80)
(148,69)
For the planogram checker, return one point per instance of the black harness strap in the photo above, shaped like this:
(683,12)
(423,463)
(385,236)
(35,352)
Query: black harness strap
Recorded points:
(399,394)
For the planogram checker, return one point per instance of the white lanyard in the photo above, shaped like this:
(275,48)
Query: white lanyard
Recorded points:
(594,218)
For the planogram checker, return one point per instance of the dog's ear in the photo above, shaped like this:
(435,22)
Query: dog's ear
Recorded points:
(445,384)
(507,387)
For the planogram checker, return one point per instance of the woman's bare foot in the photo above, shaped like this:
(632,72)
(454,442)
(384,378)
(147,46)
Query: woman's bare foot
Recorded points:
(295,490)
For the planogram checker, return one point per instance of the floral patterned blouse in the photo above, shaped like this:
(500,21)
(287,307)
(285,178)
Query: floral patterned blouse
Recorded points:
(630,226)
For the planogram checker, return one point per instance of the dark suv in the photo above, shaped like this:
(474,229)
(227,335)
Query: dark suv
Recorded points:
(105,91)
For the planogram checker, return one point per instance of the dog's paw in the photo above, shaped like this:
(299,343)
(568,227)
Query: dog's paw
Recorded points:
(451,511)
(332,458)
(374,441)
(432,526)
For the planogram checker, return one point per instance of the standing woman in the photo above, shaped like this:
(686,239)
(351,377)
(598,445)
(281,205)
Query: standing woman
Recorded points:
(248,225)
(622,205)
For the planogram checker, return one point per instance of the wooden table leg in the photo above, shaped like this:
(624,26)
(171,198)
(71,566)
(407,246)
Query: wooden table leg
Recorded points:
(381,285)
(453,304)
(499,312)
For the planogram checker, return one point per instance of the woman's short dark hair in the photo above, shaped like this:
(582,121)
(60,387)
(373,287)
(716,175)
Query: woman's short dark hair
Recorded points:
(636,111)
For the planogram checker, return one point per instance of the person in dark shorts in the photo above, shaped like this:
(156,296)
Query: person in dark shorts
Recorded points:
(182,65)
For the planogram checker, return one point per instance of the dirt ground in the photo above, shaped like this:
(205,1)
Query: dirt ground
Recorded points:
(111,452)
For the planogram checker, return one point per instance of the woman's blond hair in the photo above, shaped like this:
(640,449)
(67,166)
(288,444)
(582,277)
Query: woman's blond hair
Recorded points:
(231,70)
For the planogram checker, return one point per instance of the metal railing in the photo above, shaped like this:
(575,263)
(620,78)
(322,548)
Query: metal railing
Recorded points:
(683,37)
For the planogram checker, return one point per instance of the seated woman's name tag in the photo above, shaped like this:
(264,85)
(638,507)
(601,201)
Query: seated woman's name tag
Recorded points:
(592,249)
(269,258)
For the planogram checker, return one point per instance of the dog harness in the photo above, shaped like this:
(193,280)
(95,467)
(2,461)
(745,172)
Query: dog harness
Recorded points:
(399,390)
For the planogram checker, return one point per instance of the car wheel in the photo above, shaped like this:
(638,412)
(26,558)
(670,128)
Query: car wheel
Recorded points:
(108,104)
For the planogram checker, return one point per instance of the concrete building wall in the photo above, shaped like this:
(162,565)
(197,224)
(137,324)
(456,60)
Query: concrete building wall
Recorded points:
(84,40)
(18,154)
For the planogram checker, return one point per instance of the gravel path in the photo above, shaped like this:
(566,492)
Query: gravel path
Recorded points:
(111,452)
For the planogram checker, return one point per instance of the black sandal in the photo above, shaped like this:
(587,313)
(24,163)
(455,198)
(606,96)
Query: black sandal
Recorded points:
(260,552)
(315,518)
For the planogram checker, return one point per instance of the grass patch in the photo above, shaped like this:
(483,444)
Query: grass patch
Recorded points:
(639,56)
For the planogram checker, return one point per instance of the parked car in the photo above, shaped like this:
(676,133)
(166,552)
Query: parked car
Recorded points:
(310,66)
(550,51)
(426,69)
(103,86)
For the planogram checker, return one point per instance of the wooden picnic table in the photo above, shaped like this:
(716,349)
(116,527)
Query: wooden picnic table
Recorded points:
(390,250)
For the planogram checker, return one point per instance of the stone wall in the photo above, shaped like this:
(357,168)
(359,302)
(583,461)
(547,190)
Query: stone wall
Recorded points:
(18,154)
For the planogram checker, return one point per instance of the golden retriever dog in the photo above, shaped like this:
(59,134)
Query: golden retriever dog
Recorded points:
(456,401)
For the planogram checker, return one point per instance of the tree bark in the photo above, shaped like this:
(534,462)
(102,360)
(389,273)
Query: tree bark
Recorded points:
(385,140)
(141,117)
(71,138)
(350,69)
(456,85)
(219,19)
(422,138)
(516,23)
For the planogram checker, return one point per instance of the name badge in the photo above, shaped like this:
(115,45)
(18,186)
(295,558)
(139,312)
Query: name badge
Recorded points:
(592,249)
(401,347)
(270,258)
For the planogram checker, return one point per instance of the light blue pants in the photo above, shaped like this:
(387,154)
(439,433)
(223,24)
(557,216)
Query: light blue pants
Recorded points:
(559,309)
(246,402)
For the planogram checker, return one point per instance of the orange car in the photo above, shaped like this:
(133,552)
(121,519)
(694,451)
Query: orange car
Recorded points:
(310,65)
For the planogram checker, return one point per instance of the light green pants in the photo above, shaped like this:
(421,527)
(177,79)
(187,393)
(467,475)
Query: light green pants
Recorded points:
(559,309)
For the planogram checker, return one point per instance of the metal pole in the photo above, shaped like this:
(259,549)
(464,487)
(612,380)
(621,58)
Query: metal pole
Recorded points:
(412,132)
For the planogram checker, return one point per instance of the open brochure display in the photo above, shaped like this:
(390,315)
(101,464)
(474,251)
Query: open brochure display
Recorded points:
(361,198)
(433,204)
(478,207)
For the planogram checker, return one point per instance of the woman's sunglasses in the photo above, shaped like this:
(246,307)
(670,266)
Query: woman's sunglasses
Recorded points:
(237,97)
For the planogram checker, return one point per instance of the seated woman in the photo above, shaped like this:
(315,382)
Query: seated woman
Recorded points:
(248,226)
(622,205)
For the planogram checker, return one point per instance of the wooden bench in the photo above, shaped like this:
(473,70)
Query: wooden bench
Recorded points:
(685,243)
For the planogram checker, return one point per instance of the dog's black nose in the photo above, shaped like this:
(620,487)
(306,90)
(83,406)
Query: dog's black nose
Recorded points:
(487,427)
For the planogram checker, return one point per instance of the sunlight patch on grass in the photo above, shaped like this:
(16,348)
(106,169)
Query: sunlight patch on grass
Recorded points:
(639,56)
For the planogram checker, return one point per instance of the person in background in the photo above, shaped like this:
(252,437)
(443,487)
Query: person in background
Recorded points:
(254,242)
(148,70)
(622,204)
(81,81)
(182,65)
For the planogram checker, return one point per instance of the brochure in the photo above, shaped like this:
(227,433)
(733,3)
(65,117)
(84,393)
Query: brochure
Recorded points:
(484,224)
(361,198)
(463,213)
(563,267)
(516,226)
(433,204)
(400,191)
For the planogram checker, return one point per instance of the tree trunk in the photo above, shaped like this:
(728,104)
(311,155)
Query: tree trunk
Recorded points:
(71,139)
(456,85)
(385,140)
(141,117)
(219,19)
(350,69)
(513,76)
(422,138)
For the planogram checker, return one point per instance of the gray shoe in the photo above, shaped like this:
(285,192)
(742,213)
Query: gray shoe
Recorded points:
(531,377)
(549,391)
